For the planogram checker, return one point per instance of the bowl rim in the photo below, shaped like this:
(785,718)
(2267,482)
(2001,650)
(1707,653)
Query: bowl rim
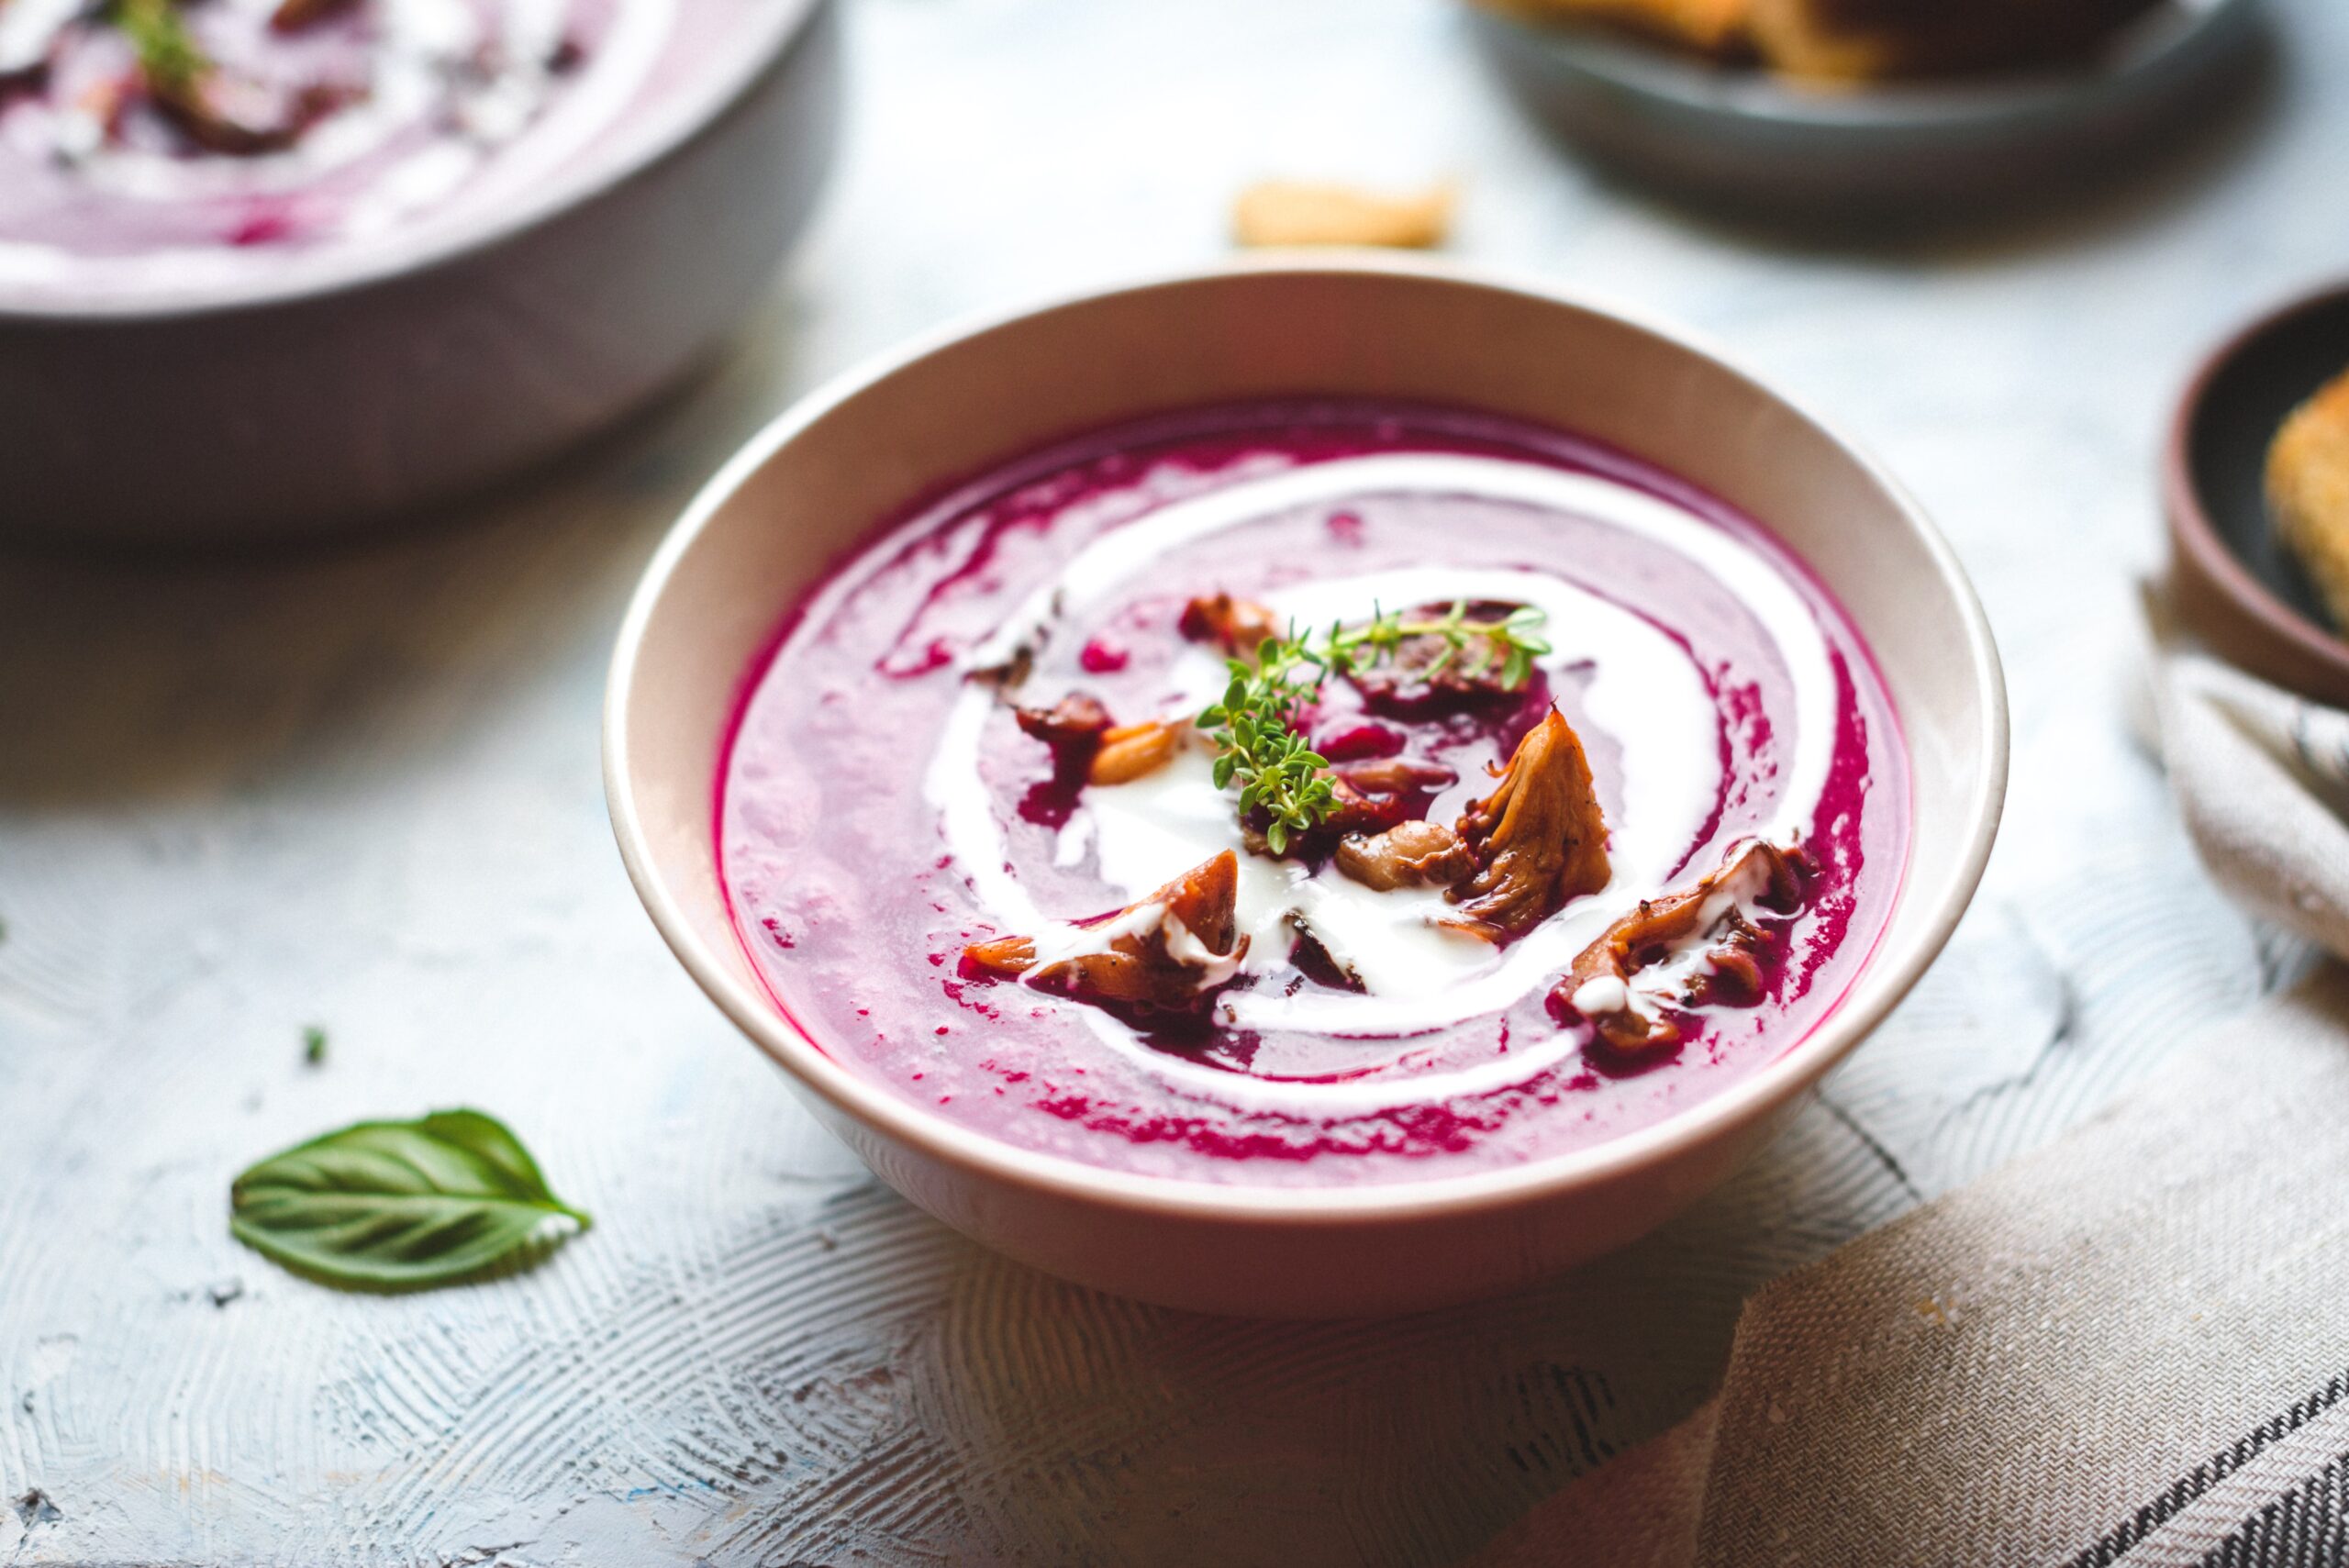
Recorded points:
(351,269)
(1753,94)
(1882,981)
(2261,612)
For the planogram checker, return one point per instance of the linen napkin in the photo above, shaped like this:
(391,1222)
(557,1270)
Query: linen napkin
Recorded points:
(2261,777)
(2128,1349)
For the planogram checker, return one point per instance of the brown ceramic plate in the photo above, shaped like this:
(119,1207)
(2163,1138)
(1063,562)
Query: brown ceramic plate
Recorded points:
(2234,584)
(340,387)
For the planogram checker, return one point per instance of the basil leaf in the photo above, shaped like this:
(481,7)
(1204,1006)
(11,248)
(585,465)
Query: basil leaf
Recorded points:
(401,1204)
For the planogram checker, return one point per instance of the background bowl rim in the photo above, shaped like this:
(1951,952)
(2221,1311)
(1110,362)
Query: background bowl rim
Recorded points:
(1883,981)
(2261,612)
(347,269)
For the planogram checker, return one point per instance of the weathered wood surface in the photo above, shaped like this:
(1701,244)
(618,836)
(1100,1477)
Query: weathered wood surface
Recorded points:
(358,788)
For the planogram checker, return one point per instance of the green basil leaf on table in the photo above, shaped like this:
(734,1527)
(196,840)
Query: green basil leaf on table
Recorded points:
(401,1204)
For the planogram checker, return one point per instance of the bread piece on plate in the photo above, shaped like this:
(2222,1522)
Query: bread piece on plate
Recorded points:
(1708,26)
(2308,492)
(1866,41)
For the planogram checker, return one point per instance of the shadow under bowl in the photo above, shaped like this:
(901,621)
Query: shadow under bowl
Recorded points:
(2233,582)
(342,391)
(860,450)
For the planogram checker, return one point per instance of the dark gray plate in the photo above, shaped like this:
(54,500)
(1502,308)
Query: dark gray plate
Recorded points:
(1743,138)
(299,407)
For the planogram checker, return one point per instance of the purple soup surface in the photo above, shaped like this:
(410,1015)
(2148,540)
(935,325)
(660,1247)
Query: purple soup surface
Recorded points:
(382,119)
(853,908)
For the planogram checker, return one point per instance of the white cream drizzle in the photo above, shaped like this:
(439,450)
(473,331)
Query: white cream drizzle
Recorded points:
(1419,975)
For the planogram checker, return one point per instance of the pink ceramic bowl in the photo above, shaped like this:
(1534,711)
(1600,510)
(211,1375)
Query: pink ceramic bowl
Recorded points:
(863,448)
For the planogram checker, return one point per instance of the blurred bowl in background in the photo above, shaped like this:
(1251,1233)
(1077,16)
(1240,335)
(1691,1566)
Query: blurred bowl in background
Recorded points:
(1749,142)
(328,389)
(2232,580)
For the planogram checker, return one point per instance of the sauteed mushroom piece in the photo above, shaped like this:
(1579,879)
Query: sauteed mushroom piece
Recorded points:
(1540,840)
(292,16)
(1087,743)
(1409,854)
(1599,986)
(1075,720)
(1377,796)
(1132,750)
(1239,627)
(1164,951)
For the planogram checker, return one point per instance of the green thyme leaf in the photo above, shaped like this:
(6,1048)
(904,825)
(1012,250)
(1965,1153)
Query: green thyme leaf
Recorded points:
(1254,727)
(314,1044)
(169,56)
(401,1204)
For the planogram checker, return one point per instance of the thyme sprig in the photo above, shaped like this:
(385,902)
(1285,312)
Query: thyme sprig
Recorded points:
(1255,725)
(1258,746)
(169,56)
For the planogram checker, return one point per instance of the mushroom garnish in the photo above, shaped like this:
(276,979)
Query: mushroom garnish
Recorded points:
(1540,840)
(1128,752)
(1710,910)
(1411,854)
(1075,722)
(1370,797)
(292,16)
(1087,744)
(1163,952)
(1239,627)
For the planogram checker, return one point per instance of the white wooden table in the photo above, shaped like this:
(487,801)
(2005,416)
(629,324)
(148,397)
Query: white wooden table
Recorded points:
(359,789)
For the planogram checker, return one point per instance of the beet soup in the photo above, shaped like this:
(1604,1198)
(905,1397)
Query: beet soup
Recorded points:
(1319,794)
(156,147)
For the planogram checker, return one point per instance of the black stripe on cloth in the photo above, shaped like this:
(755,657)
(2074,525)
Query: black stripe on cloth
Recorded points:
(2209,1473)
(2309,1528)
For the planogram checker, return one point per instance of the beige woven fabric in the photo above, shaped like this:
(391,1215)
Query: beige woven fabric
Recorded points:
(2035,1369)
(2130,1349)
(1638,1511)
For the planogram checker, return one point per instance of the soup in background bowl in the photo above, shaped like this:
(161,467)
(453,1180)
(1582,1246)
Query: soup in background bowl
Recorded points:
(350,257)
(1307,789)
(170,149)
